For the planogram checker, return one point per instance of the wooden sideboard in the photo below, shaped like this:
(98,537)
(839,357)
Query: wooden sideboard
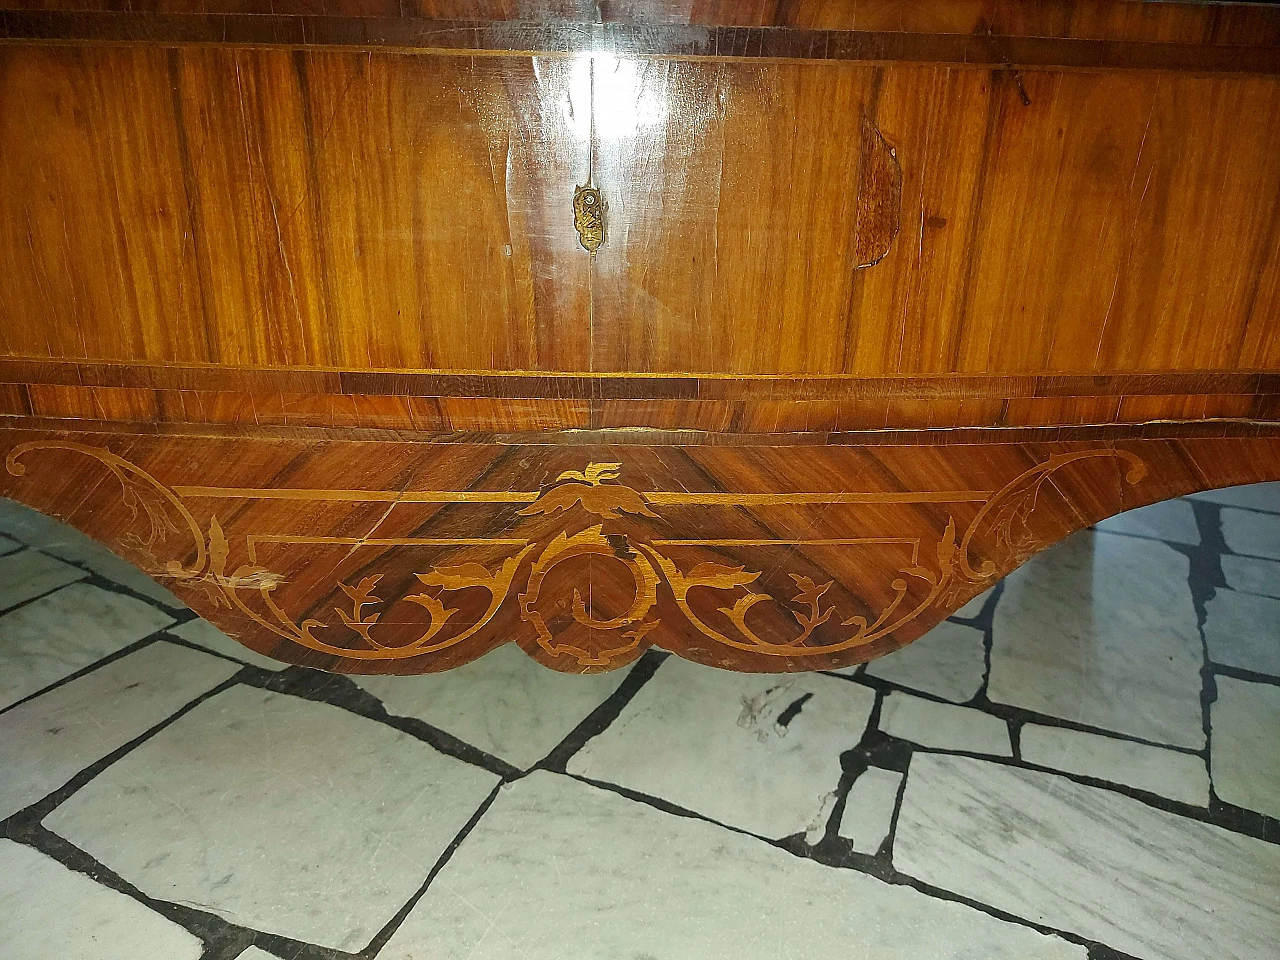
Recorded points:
(766,333)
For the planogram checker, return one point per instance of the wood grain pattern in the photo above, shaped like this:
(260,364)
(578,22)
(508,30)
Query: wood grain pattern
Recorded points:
(258,412)
(277,208)
(757,558)
(1108,34)
(1168,22)
(297,312)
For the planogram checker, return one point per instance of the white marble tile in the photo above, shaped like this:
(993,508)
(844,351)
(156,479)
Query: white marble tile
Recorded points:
(280,814)
(1172,520)
(1252,533)
(8,544)
(75,547)
(557,869)
(1100,629)
(711,741)
(974,606)
(1088,861)
(55,636)
(29,573)
(63,541)
(28,526)
(205,634)
(1259,496)
(868,810)
(1168,773)
(48,740)
(253,953)
(1243,630)
(1249,575)
(944,726)
(504,703)
(48,912)
(1244,739)
(947,662)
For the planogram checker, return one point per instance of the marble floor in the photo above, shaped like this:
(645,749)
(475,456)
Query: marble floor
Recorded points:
(1082,763)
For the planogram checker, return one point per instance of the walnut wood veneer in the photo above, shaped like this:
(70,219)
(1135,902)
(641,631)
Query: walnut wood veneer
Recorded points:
(766,333)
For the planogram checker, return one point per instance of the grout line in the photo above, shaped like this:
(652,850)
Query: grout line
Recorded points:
(224,940)
(124,651)
(1233,506)
(832,854)
(891,835)
(599,719)
(1016,715)
(1140,536)
(109,586)
(42,807)
(853,764)
(1204,578)
(5,611)
(342,692)
(1240,673)
(382,936)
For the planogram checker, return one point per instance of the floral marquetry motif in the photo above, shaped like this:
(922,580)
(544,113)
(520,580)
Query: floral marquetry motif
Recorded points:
(598,561)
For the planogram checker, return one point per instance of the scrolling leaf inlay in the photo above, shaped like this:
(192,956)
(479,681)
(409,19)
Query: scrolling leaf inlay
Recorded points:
(572,627)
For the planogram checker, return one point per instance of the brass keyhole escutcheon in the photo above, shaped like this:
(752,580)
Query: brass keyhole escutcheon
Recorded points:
(588,217)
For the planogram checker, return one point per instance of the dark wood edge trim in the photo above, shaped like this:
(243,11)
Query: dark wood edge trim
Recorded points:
(628,39)
(605,386)
(1161,430)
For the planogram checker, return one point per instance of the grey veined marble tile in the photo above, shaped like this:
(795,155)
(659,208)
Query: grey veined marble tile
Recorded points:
(204,634)
(868,809)
(1172,520)
(29,573)
(1252,533)
(947,662)
(68,543)
(1245,740)
(944,726)
(1258,496)
(760,752)
(974,606)
(1243,630)
(48,912)
(1249,575)
(558,869)
(57,635)
(1090,861)
(28,526)
(77,548)
(286,816)
(1100,629)
(1168,773)
(504,703)
(8,545)
(48,740)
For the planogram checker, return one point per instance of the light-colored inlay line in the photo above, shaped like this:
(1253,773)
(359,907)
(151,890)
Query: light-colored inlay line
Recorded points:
(657,497)
(362,496)
(752,499)
(909,541)
(394,541)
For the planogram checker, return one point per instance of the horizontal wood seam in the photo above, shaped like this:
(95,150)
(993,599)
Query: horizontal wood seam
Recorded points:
(628,39)
(575,386)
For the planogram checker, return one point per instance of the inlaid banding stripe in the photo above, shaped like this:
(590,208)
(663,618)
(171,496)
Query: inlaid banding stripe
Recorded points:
(629,39)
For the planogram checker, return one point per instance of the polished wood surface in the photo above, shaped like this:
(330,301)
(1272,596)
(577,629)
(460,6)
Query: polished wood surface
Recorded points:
(429,554)
(275,208)
(784,328)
